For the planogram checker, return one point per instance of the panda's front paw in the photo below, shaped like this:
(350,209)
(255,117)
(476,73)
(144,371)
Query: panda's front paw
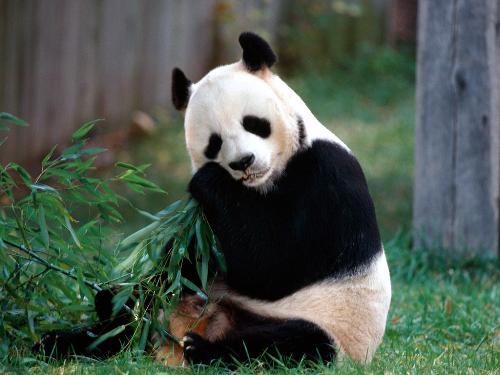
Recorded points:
(207,181)
(199,351)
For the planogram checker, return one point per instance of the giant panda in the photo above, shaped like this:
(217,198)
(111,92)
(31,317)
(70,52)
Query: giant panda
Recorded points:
(306,271)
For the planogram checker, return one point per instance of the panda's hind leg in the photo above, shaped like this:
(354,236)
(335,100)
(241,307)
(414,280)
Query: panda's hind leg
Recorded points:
(293,339)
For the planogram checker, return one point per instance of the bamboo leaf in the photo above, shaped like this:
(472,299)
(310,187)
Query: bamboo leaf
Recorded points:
(127,166)
(121,298)
(70,229)
(43,226)
(43,187)
(219,257)
(107,335)
(175,284)
(79,308)
(84,129)
(72,151)
(47,157)
(168,210)
(204,270)
(200,243)
(23,173)
(12,119)
(144,335)
(148,215)
(140,181)
(139,235)
(84,289)
(194,288)
(93,151)
(31,323)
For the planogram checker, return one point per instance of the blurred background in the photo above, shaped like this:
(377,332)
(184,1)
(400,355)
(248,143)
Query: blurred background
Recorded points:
(65,62)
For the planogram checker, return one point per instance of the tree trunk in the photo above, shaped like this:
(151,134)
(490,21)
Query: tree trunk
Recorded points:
(456,203)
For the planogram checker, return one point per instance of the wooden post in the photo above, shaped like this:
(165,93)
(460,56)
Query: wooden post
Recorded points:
(457,171)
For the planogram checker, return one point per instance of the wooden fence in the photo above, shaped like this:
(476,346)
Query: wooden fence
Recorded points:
(63,62)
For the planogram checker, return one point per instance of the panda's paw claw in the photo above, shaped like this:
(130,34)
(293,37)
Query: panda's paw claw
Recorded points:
(197,350)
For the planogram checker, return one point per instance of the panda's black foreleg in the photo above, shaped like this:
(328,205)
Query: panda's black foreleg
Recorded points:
(62,344)
(291,339)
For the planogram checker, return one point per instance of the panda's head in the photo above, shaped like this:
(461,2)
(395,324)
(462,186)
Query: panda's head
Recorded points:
(234,117)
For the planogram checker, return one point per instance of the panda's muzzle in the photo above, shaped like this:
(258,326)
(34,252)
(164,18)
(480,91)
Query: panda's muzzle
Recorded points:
(242,164)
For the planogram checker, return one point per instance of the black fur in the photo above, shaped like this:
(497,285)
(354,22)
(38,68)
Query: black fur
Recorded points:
(302,132)
(256,125)
(252,335)
(256,52)
(318,222)
(213,147)
(291,339)
(62,344)
(180,89)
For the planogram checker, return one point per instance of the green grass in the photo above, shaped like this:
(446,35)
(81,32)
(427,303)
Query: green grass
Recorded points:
(444,318)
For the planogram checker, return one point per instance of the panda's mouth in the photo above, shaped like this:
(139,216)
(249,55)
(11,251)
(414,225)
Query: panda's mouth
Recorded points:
(254,176)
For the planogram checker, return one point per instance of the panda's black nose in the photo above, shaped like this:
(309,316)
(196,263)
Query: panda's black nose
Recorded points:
(243,163)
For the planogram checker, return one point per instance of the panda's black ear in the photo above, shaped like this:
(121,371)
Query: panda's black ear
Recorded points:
(256,52)
(180,89)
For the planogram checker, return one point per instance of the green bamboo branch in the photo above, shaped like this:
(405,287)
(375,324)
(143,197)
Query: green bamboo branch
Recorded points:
(90,284)
(50,266)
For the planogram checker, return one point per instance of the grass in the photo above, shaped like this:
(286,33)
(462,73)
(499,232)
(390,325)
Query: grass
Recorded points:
(444,318)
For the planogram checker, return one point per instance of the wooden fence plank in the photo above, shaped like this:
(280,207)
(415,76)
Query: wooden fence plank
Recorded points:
(54,95)
(12,70)
(87,77)
(156,52)
(117,59)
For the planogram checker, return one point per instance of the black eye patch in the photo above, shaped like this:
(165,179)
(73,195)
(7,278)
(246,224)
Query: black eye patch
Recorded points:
(213,147)
(257,126)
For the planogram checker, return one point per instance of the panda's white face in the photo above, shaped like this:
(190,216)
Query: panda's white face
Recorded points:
(235,119)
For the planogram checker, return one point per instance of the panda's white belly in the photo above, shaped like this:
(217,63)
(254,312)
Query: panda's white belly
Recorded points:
(353,310)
